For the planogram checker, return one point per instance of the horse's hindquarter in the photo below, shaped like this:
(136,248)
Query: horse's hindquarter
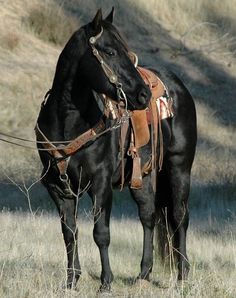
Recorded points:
(183,124)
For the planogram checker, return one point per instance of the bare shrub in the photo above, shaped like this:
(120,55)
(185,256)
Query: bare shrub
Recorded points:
(50,23)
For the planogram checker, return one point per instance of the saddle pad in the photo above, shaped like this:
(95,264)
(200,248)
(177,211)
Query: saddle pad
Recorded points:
(164,107)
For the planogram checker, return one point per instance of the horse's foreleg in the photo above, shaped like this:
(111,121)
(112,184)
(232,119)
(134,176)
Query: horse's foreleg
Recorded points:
(67,211)
(70,234)
(146,206)
(102,202)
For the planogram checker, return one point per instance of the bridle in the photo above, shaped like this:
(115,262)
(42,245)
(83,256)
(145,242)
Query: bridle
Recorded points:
(110,74)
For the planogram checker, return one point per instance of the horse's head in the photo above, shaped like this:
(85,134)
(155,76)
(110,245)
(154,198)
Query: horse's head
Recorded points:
(107,67)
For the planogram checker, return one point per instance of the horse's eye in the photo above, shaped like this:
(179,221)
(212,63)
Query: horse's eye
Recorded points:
(110,52)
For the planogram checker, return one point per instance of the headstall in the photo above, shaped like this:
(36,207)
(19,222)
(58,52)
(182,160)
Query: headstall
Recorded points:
(108,71)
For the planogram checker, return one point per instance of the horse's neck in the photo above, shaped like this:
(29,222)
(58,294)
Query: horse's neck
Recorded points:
(68,117)
(48,119)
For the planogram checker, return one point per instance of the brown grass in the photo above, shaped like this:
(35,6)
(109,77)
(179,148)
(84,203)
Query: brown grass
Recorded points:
(50,23)
(10,41)
(33,261)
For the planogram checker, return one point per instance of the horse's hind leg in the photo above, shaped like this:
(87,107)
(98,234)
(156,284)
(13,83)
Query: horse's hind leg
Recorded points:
(146,207)
(178,214)
(67,211)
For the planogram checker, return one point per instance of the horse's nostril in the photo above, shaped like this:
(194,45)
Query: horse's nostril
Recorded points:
(143,96)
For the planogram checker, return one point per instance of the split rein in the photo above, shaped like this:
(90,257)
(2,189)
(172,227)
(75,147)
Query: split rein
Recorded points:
(62,143)
(121,99)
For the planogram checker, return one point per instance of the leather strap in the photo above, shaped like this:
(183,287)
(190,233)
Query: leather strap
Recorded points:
(154,137)
(75,145)
(87,136)
(136,180)
(123,136)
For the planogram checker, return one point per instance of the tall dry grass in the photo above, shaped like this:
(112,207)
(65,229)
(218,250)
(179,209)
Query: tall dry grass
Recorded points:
(50,23)
(195,22)
(33,260)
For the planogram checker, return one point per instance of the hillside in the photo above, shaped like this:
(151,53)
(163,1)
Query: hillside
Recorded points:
(200,49)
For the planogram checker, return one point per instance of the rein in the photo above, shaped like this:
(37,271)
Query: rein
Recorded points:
(90,135)
(62,144)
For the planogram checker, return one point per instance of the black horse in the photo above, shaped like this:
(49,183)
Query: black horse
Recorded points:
(96,61)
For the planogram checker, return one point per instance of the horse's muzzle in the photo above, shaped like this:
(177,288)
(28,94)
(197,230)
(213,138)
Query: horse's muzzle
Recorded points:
(144,96)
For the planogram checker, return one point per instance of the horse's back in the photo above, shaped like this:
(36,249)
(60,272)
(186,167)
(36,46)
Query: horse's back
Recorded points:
(182,125)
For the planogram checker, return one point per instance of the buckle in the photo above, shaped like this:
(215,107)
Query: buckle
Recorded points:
(64,177)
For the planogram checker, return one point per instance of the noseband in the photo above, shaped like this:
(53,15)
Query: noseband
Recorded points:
(110,74)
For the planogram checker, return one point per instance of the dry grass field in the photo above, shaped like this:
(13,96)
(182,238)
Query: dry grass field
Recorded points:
(197,40)
(33,260)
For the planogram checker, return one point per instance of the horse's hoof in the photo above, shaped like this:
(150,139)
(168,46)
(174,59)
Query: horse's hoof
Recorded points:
(183,276)
(105,289)
(142,283)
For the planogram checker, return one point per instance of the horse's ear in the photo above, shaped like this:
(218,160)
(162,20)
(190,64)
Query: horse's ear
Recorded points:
(110,17)
(97,21)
